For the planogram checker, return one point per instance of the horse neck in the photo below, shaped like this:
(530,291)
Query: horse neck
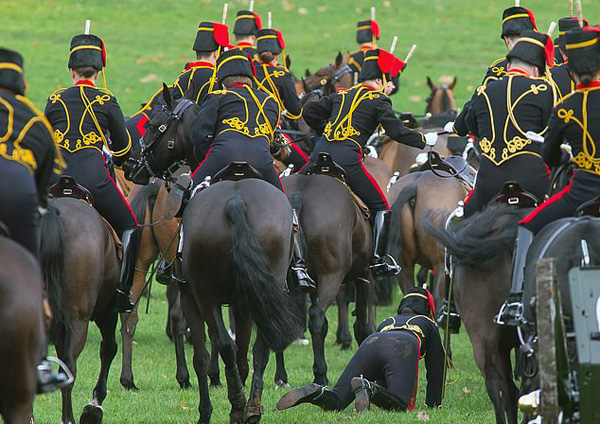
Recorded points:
(442,100)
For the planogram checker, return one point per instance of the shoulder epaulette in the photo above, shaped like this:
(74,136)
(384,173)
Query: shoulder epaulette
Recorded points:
(219,92)
(497,61)
(60,90)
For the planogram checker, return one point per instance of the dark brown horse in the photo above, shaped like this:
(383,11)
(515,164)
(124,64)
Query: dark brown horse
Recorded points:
(328,78)
(22,331)
(338,250)
(81,268)
(482,249)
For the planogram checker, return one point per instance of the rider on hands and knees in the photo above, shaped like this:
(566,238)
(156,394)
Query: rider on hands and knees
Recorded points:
(82,117)
(346,120)
(384,370)
(577,120)
(28,158)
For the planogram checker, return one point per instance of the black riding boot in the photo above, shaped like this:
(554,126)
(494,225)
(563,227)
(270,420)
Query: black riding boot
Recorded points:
(130,242)
(511,312)
(311,393)
(383,264)
(301,281)
(177,276)
(164,275)
(367,392)
(448,315)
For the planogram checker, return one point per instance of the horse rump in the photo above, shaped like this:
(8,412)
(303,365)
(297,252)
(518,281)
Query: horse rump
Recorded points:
(259,295)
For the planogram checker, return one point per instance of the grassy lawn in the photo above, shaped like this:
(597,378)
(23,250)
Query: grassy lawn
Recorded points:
(148,41)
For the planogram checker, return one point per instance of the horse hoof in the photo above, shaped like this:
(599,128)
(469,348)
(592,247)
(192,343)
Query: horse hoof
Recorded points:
(215,383)
(185,384)
(129,385)
(92,414)
(282,385)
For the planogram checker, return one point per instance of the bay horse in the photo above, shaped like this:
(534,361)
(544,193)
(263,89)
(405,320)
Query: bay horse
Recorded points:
(482,247)
(328,78)
(22,330)
(81,269)
(339,249)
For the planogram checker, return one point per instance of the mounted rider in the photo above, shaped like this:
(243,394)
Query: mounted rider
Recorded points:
(501,113)
(83,116)
(346,120)
(247,24)
(367,34)
(277,81)
(561,76)
(198,77)
(28,159)
(575,120)
(238,124)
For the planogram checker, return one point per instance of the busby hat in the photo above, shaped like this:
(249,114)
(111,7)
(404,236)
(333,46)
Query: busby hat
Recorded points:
(583,49)
(419,300)
(247,23)
(269,40)
(378,63)
(517,19)
(210,37)
(534,48)
(564,25)
(235,63)
(367,31)
(87,50)
(11,71)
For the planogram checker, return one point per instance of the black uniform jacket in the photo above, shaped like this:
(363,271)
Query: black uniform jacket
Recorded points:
(86,117)
(240,111)
(501,112)
(246,48)
(26,137)
(496,70)
(576,119)
(427,333)
(277,81)
(356,58)
(561,78)
(355,114)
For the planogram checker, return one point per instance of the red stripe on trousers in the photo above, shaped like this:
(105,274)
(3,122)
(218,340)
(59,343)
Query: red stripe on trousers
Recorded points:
(202,163)
(122,197)
(548,202)
(414,398)
(295,147)
(279,179)
(469,196)
(370,177)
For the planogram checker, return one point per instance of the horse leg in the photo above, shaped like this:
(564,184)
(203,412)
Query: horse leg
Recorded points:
(68,347)
(196,323)
(129,322)
(407,275)
(483,353)
(343,337)
(243,333)
(17,413)
(213,369)
(317,323)
(178,328)
(281,377)
(510,392)
(235,389)
(260,358)
(361,325)
(92,412)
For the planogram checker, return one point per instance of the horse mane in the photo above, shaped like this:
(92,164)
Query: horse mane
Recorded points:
(480,237)
(146,195)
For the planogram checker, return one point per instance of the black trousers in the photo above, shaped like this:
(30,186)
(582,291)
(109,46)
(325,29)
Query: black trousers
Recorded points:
(390,358)
(229,149)
(88,169)
(297,156)
(584,186)
(529,171)
(19,204)
(348,155)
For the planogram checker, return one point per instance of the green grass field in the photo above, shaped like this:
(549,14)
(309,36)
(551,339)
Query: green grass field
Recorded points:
(148,41)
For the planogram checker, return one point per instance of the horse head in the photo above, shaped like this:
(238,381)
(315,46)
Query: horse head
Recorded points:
(330,77)
(441,98)
(166,142)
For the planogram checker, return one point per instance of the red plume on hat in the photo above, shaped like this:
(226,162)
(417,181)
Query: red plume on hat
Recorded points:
(549,51)
(385,61)
(221,34)
(592,28)
(103,52)
(397,67)
(257,20)
(375,28)
(531,17)
(431,303)
(280,39)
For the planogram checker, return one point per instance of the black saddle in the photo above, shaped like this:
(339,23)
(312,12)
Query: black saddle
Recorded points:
(589,208)
(326,166)
(512,194)
(237,171)
(450,166)
(67,187)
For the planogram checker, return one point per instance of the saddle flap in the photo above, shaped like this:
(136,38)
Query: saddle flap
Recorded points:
(326,166)
(512,194)
(237,171)
(589,208)
(67,187)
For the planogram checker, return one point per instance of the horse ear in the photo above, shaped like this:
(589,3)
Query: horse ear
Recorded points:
(453,83)
(305,85)
(167,96)
(339,59)
(307,73)
(189,93)
(431,85)
(288,62)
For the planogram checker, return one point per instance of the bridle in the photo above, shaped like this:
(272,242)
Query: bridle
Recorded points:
(334,77)
(147,158)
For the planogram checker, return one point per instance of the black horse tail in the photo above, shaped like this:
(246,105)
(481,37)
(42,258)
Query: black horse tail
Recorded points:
(482,236)
(146,196)
(53,262)
(260,297)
